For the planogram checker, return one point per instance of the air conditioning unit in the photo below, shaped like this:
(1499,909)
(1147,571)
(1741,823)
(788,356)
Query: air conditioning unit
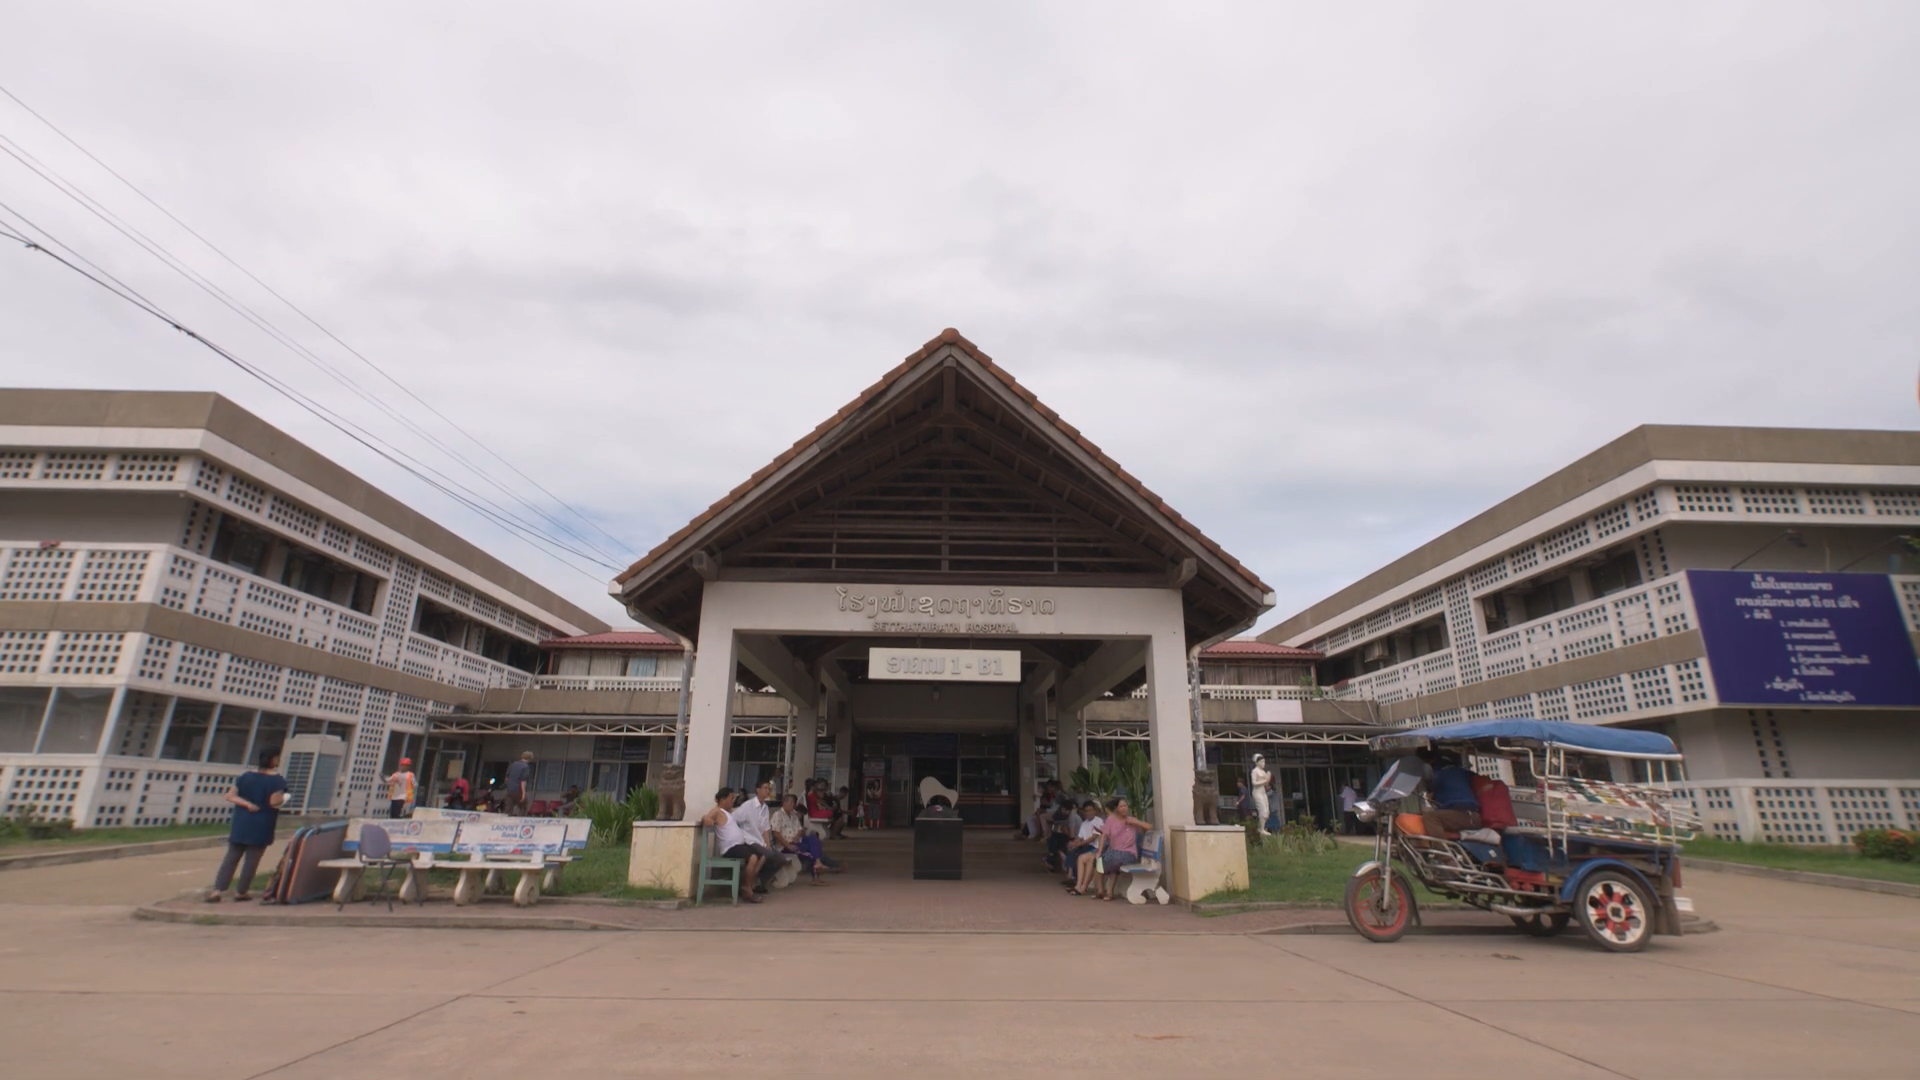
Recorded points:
(1374,650)
(312,764)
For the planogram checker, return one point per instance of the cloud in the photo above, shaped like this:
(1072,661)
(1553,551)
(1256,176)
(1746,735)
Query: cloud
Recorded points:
(1329,281)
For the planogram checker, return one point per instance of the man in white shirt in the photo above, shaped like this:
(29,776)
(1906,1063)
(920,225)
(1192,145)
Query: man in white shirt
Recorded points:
(1348,796)
(756,821)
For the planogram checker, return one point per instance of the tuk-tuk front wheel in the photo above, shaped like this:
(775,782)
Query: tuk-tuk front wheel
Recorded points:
(1379,911)
(1542,925)
(1615,911)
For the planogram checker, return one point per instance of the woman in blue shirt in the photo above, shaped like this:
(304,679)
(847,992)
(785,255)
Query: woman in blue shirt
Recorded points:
(256,799)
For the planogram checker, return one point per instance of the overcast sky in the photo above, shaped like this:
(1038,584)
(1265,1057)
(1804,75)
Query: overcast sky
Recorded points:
(1329,281)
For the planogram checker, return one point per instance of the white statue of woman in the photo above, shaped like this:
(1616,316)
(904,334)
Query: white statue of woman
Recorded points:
(1259,781)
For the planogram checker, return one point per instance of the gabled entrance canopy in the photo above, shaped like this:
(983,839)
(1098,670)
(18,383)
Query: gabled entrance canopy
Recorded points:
(946,470)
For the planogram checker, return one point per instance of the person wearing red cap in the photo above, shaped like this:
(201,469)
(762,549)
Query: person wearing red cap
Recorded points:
(400,789)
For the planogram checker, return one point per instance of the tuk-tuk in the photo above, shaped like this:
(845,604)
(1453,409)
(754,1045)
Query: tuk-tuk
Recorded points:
(1590,833)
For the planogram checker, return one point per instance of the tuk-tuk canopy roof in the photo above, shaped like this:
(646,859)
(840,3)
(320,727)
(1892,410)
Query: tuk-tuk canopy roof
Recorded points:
(1600,740)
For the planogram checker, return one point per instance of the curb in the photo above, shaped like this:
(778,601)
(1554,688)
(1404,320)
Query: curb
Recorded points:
(397,920)
(107,851)
(1808,877)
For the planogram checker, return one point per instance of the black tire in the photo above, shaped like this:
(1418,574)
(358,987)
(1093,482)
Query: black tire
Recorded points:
(1542,926)
(1370,917)
(1615,911)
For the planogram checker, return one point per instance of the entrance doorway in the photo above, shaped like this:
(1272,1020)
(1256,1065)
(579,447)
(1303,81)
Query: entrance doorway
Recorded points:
(979,765)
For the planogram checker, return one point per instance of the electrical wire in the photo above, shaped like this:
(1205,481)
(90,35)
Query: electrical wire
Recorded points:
(121,289)
(239,308)
(315,323)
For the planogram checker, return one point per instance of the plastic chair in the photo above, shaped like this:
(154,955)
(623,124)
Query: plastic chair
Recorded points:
(376,849)
(711,862)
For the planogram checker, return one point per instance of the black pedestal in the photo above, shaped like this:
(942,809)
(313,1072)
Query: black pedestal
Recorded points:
(936,846)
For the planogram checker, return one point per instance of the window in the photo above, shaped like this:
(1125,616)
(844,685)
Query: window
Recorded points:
(79,716)
(275,728)
(1621,571)
(456,628)
(263,554)
(187,735)
(1547,597)
(642,666)
(231,735)
(21,710)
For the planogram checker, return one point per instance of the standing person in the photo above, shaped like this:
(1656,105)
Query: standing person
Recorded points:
(256,799)
(400,789)
(1262,781)
(1348,796)
(520,784)
(1119,844)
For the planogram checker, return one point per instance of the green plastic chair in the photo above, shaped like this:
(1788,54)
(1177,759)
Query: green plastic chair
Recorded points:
(711,863)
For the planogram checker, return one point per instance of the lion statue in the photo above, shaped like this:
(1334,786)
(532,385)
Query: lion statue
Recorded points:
(1206,797)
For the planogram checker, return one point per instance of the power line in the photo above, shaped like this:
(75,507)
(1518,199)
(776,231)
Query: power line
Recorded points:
(167,259)
(120,289)
(315,323)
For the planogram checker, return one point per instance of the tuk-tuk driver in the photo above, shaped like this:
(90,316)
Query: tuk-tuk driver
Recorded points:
(1451,788)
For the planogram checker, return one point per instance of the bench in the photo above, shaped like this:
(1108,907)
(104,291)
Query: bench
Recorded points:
(414,840)
(533,848)
(579,830)
(711,860)
(1143,877)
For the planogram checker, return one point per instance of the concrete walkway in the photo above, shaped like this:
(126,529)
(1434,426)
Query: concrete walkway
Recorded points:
(1803,981)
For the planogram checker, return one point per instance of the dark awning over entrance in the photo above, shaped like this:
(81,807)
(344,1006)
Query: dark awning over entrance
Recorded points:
(945,470)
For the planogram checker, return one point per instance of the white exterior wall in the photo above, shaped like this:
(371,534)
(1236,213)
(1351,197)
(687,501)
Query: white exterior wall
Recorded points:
(730,608)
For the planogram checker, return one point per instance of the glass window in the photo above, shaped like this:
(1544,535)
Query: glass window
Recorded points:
(79,717)
(607,664)
(549,776)
(642,666)
(308,725)
(576,775)
(21,710)
(231,736)
(141,718)
(187,735)
(272,734)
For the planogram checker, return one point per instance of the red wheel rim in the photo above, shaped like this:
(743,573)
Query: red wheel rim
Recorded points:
(1615,912)
(1368,909)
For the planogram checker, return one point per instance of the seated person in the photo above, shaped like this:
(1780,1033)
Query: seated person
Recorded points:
(790,835)
(1085,848)
(842,807)
(733,841)
(566,801)
(458,796)
(820,815)
(1059,835)
(1455,807)
(1119,843)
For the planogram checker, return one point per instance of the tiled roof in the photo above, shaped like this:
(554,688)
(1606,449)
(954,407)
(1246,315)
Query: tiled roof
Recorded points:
(952,337)
(642,640)
(1249,647)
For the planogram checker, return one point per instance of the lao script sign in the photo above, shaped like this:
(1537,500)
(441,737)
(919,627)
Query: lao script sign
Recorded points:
(1782,638)
(944,665)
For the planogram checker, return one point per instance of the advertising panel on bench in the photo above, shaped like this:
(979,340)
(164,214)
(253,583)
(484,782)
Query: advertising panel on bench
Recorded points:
(407,834)
(514,836)
(1777,637)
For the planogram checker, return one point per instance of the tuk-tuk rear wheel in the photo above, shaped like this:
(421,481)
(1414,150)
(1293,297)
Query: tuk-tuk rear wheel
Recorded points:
(1615,911)
(1378,916)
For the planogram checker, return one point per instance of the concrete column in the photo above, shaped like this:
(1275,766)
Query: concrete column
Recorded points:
(1024,751)
(708,711)
(806,735)
(1169,730)
(844,773)
(1067,731)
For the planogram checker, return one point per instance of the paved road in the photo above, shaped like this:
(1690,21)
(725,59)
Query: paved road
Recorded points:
(1804,981)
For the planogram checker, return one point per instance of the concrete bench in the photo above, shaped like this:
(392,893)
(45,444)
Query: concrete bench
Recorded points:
(1143,877)
(415,840)
(533,848)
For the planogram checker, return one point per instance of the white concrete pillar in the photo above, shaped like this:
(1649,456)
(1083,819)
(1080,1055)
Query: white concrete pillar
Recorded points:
(1024,754)
(1169,727)
(708,711)
(1067,738)
(844,770)
(805,740)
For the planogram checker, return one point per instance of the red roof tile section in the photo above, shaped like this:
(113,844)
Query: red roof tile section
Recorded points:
(1248,647)
(640,640)
(949,336)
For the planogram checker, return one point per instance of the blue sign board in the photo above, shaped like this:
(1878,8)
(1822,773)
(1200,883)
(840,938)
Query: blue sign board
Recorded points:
(1779,638)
